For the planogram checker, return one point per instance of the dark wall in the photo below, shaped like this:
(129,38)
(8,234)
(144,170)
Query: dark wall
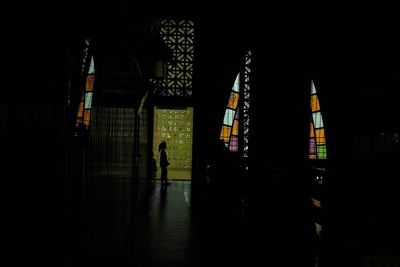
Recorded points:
(32,112)
(345,53)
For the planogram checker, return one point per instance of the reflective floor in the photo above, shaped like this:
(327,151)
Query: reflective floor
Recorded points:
(164,236)
(169,235)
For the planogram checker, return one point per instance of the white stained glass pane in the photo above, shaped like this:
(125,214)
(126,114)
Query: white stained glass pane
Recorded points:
(313,91)
(88,100)
(229,116)
(317,118)
(91,67)
(236,85)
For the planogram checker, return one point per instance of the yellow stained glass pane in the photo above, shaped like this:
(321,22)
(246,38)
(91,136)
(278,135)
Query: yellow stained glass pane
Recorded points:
(89,83)
(86,119)
(80,110)
(312,134)
(225,133)
(235,129)
(320,136)
(233,100)
(312,156)
(314,103)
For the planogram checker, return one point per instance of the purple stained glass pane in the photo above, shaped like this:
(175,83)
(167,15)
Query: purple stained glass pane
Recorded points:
(313,150)
(233,145)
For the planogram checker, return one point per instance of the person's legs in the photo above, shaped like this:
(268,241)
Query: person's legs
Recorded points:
(164,176)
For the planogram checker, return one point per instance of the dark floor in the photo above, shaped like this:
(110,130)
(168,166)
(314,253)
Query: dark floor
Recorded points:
(169,235)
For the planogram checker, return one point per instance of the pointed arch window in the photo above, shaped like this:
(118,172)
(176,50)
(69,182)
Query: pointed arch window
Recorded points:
(317,148)
(235,127)
(85,105)
(230,127)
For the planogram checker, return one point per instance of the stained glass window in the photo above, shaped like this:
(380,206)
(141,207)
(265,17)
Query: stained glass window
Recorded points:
(235,131)
(85,105)
(230,127)
(317,147)
(179,37)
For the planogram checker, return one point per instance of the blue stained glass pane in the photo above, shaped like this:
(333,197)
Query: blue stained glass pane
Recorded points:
(317,118)
(88,100)
(236,85)
(91,67)
(229,116)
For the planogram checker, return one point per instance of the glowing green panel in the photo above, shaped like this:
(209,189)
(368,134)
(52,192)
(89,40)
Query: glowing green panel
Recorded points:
(174,126)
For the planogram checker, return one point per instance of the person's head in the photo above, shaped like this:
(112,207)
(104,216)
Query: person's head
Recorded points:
(162,146)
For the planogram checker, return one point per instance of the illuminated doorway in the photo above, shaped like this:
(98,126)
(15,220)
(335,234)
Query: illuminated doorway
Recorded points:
(175,127)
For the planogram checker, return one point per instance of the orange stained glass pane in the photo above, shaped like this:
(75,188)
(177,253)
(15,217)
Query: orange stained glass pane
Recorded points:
(80,110)
(312,156)
(225,133)
(86,119)
(235,129)
(316,202)
(233,100)
(320,134)
(314,103)
(312,133)
(89,83)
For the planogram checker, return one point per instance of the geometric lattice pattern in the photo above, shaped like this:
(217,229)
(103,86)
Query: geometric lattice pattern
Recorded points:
(85,55)
(179,37)
(230,126)
(175,127)
(246,105)
(85,104)
(317,147)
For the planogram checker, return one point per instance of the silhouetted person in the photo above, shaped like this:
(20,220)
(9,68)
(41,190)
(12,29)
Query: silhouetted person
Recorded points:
(163,163)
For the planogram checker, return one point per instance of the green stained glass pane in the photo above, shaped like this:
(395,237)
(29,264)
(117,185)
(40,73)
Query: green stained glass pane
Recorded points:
(321,152)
